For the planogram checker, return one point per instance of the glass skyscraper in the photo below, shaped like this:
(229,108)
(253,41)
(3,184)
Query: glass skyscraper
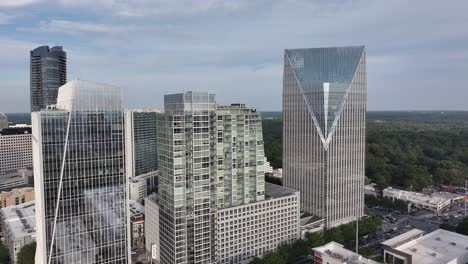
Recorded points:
(78,153)
(324,115)
(141,152)
(48,72)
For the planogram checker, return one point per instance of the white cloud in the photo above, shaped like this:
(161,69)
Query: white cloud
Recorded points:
(66,26)
(16,3)
(139,8)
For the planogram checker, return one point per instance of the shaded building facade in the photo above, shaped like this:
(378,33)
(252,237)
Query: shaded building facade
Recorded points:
(324,115)
(48,71)
(141,152)
(78,153)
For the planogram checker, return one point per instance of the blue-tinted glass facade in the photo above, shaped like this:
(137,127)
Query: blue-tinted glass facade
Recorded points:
(324,114)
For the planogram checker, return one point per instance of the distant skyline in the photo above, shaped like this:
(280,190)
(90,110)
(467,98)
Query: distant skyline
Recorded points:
(417,52)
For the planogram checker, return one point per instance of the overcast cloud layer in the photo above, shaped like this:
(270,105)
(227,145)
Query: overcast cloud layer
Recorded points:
(417,50)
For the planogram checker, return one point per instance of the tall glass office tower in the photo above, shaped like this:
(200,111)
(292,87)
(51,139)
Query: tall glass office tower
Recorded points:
(141,152)
(324,115)
(78,153)
(48,72)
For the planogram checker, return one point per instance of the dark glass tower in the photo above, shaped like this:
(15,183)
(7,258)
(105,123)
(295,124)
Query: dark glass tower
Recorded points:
(48,73)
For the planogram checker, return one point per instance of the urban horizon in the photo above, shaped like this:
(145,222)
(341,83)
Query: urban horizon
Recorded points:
(190,141)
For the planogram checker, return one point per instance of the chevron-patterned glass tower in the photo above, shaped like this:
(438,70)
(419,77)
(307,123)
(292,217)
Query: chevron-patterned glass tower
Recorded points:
(324,115)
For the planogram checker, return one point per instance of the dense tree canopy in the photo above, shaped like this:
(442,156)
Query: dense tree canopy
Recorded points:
(27,253)
(4,256)
(301,248)
(412,150)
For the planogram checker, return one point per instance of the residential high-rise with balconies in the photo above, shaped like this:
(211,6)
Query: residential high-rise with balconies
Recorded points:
(79,177)
(240,156)
(187,174)
(48,73)
(211,164)
(324,115)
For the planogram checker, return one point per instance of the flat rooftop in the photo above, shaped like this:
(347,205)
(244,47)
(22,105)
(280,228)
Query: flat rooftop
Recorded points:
(136,208)
(337,251)
(277,191)
(20,219)
(434,199)
(440,246)
(395,241)
(15,131)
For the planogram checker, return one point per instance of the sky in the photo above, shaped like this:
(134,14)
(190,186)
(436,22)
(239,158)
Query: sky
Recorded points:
(417,50)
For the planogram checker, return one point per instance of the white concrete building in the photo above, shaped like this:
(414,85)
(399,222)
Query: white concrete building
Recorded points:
(152,229)
(268,167)
(334,253)
(435,202)
(15,150)
(438,247)
(17,179)
(311,224)
(255,229)
(18,224)
(370,189)
(278,173)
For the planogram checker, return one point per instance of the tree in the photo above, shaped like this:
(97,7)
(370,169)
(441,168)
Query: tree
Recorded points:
(257,260)
(448,227)
(298,248)
(349,231)
(314,240)
(275,258)
(27,253)
(365,251)
(462,227)
(333,234)
(4,256)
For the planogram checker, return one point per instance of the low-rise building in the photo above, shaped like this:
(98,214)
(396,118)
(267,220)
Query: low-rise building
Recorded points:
(438,247)
(17,179)
(152,229)
(311,224)
(435,202)
(141,185)
(268,167)
(335,253)
(18,227)
(370,189)
(16,196)
(255,229)
(137,224)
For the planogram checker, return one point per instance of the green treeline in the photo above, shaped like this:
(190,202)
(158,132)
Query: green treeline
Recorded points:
(300,248)
(414,153)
